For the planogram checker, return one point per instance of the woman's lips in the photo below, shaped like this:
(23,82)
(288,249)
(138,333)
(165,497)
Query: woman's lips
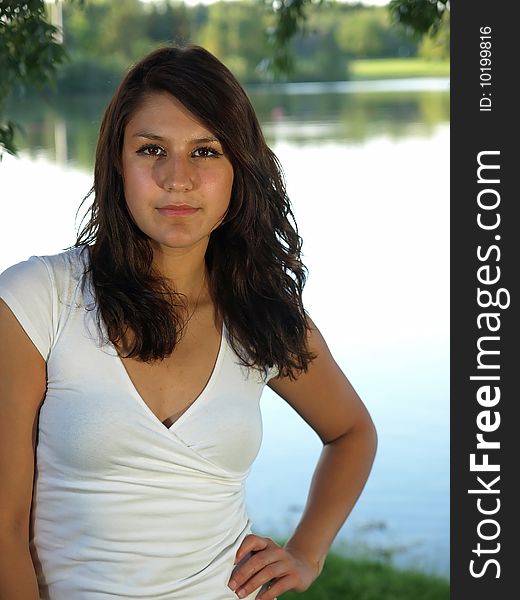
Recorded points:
(177,210)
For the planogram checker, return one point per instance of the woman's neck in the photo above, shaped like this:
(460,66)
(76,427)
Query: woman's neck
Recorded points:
(185,269)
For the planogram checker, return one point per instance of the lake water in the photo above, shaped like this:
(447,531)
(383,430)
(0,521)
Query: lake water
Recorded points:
(367,169)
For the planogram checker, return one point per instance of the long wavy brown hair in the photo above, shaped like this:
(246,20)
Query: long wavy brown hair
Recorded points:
(256,276)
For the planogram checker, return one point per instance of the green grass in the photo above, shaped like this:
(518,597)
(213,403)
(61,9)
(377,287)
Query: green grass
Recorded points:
(388,68)
(360,579)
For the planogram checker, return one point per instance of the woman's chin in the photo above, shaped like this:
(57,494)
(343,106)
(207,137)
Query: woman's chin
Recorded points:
(180,243)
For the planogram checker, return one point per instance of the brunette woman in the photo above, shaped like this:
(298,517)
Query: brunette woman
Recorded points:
(131,365)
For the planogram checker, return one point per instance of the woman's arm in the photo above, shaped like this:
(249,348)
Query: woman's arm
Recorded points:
(22,388)
(329,404)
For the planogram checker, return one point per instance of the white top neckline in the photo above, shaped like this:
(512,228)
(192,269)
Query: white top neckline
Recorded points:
(200,399)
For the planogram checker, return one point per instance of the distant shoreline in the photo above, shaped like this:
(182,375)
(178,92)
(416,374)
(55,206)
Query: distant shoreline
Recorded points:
(386,74)
(407,84)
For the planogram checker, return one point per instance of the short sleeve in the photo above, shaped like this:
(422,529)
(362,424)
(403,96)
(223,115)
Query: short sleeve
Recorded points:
(27,289)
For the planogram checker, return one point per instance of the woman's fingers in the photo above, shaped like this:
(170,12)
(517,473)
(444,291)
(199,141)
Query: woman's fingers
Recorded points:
(258,577)
(281,585)
(251,543)
(262,561)
(254,554)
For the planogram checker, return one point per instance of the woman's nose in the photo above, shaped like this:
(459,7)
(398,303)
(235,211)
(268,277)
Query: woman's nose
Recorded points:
(175,174)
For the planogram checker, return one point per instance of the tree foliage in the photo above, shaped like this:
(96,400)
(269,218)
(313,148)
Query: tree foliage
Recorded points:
(418,17)
(29,54)
(290,19)
(235,32)
(437,46)
(368,33)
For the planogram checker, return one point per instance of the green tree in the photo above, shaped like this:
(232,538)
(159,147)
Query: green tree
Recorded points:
(417,17)
(420,17)
(77,23)
(29,55)
(319,55)
(368,33)
(437,47)
(168,22)
(234,32)
(103,37)
(123,16)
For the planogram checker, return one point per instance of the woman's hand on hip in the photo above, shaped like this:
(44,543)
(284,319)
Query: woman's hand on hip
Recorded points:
(268,563)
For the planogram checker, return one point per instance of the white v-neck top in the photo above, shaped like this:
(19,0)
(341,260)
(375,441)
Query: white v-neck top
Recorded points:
(124,507)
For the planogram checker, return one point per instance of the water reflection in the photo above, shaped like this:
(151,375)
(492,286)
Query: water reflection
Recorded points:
(65,129)
(79,119)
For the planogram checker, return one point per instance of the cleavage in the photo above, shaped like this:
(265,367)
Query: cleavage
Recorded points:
(171,386)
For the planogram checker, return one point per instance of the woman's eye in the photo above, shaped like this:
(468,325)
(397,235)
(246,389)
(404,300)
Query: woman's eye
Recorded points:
(206,152)
(151,150)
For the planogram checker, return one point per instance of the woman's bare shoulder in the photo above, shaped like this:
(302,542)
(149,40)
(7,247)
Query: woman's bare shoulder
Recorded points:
(22,389)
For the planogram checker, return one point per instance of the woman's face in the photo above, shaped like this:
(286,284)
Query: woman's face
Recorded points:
(177,179)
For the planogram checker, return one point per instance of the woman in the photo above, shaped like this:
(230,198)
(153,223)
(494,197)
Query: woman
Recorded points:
(132,364)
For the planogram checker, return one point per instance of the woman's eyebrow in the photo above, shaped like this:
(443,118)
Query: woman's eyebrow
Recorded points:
(205,140)
(153,136)
(148,135)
